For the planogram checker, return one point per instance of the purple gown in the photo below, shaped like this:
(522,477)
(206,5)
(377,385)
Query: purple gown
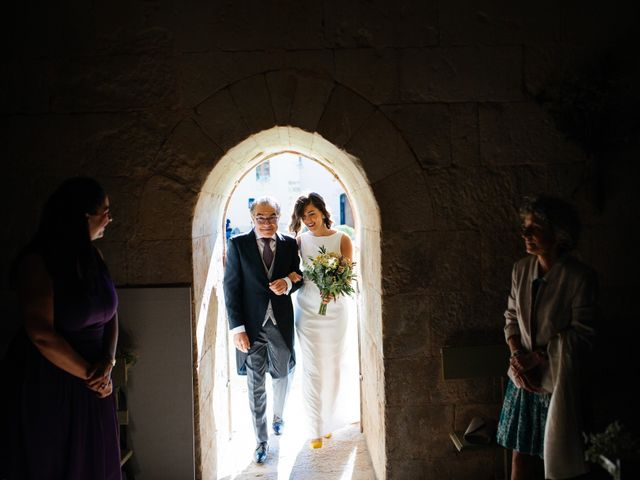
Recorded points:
(67,431)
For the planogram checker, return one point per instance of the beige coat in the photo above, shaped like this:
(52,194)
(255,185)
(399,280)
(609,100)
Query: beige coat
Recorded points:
(565,317)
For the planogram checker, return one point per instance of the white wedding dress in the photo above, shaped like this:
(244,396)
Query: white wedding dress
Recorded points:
(326,394)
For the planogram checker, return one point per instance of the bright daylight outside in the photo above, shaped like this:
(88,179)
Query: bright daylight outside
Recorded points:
(285,177)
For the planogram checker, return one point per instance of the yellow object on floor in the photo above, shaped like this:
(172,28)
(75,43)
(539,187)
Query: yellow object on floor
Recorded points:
(316,443)
(328,435)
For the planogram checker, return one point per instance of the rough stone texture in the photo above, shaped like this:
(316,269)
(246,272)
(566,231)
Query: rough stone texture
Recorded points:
(433,106)
(410,334)
(153,262)
(429,424)
(309,102)
(470,198)
(522,133)
(427,128)
(359,24)
(382,151)
(161,195)
(344,114)
(399,211)
(461,74)
(465,135)
(88,84)
(221,120)
(429,262)
(498,23)
(252,99)
(373,73)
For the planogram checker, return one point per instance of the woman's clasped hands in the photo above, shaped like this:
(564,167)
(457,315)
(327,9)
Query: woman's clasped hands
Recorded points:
(526,368)
(99,378)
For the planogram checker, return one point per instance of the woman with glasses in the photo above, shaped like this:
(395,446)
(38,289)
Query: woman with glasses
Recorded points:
(65,421)
(549,326)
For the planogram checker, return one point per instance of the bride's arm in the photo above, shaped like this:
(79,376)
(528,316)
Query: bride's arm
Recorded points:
(346,247)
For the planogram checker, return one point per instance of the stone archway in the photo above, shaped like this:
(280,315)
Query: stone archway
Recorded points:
(239,120)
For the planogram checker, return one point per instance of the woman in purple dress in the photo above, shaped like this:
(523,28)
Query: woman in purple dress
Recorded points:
(66,423)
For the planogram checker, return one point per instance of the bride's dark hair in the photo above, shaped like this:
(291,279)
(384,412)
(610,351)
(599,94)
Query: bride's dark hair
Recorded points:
(298,211)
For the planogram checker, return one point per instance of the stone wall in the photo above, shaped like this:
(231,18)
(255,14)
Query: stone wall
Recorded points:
(435,100)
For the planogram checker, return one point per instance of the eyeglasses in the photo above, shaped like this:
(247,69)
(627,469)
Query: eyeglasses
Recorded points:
(530,230)
(106,213)
(266,220)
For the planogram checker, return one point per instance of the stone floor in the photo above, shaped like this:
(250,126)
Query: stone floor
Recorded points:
(342,457)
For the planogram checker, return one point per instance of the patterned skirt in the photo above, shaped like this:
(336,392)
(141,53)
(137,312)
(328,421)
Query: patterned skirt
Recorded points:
(522,420)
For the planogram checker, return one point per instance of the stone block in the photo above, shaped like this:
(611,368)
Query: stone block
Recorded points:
(156,262)
(429,262)
(464,319)
(188,155)
(344,114)
(465,138)
(522,133)
(252,98)
(576,181)
(222,121)
(402,24)
(398,212)
(165,210)
(427,129)
(373,73)
(248,63)
(380,148)
(400,372)
(407,331)
(202,74)
(113,83)
(500,250)
(461,391)
(470,198)
(461,74)
(311,96)
(418,430)
(499,23)
(282,87)
(253,25)
(122,145)
(545,63)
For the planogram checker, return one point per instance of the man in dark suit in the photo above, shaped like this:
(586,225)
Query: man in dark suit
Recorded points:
(260,313)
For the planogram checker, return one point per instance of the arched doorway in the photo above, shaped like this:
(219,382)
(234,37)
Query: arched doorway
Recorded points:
(208,250)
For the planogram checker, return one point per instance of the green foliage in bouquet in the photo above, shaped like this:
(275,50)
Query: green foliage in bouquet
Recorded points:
(332,273)
(614,443)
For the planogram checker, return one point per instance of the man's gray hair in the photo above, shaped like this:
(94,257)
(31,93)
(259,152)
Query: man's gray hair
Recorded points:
(272,202)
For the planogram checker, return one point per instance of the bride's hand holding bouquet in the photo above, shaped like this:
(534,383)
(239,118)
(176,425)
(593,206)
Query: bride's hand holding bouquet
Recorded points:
(332,273)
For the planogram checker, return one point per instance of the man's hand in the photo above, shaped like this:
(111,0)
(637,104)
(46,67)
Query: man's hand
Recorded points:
(278,286)
(241,341)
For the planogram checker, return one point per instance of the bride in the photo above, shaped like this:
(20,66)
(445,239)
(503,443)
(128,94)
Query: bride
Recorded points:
(321,337)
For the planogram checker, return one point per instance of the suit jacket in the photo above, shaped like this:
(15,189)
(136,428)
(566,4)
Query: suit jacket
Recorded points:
(246,288)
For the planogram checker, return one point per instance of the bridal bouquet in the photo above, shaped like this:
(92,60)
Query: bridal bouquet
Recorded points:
(332,273)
